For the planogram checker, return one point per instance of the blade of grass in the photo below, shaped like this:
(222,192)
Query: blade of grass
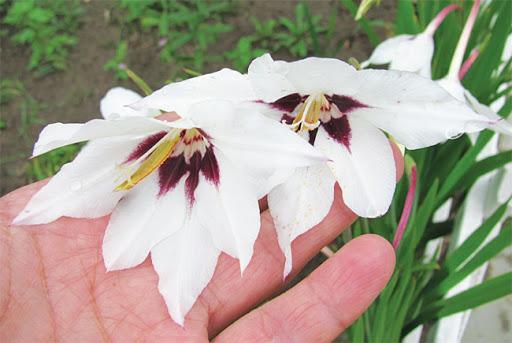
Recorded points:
(487,291)
(365,25)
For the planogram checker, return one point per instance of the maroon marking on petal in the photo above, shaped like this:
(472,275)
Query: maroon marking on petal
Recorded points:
(339,130)
(346,104)
(288,103)
(171,172)
(174,168)
(145,145)
(287,119)
(193,177)
(312,136)
(210,167)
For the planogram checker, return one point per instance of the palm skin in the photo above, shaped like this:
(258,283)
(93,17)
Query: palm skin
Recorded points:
(54,286)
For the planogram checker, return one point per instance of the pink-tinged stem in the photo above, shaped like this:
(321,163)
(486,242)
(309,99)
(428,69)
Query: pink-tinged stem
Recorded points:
(468,63)
(434,24)
(453,73)
(404,218)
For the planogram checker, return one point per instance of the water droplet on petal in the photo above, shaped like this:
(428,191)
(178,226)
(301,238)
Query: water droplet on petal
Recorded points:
(453,134)
(76,185)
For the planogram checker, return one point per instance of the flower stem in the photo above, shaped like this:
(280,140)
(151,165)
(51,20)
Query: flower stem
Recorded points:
(458,56)
(439,18)
(468,63)
(409,201)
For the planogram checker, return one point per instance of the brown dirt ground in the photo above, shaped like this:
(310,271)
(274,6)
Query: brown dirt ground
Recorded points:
(74,95)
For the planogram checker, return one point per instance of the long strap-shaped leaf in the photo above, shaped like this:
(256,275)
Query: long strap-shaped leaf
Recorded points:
(487,291)
(493,248)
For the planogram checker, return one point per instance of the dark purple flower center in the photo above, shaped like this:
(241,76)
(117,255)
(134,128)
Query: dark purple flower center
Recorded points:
(193,155)
(333,119)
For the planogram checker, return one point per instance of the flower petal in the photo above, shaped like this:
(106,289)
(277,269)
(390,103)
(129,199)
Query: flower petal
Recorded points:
(268,78)
(225,84)
(140,221)
(259,145)
(308,76)
(230,211)
(416,111)
(365,169)
(185,263)
(387,50)
(405,52)
(415,56)
(299,204)
(57,135)
(114,104)
(83,188)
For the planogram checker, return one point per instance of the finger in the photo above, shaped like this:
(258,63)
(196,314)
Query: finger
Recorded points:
(263,276)
(324,304)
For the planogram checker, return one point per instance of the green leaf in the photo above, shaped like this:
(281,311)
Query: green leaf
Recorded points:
(487,291)
(491,249)
(471,244)
(463,165)
(370,33)
(483,167)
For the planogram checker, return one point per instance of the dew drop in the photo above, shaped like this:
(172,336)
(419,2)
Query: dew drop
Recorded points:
(76,186)
(451,134)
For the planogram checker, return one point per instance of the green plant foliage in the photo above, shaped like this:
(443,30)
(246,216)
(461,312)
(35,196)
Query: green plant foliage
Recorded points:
(117,63)
(417,292)
(187,30)
(47,27)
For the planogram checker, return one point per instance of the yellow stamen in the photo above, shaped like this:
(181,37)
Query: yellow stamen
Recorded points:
(153,161)
(308,116)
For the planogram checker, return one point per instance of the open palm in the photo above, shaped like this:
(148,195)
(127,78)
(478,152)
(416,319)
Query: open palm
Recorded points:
(54,286)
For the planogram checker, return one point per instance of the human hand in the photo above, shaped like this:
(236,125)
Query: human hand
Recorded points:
(54,286)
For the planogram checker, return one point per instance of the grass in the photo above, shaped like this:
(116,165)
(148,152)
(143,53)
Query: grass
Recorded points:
(47,28)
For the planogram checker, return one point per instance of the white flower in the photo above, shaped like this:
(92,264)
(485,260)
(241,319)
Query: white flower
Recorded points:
(185,190)
(410,52)
(341,112)
(452,84)
(114,104)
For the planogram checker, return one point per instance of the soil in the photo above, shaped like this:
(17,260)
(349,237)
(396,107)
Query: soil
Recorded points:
(74,95)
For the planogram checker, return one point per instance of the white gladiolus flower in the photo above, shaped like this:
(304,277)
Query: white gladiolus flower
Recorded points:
(183,191)
(410,52)
(341,112)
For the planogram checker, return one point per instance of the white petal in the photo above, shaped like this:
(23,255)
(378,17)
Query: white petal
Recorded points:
(299,204)
(415,55)
(225,84)
(319,75)
(268,78)
(56,135)
(83,188)
(259,145)
(499,124)
(416,111)
(230,211)
(386,51)
(114,104)
(141,220)
(185,263)
(366,172)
